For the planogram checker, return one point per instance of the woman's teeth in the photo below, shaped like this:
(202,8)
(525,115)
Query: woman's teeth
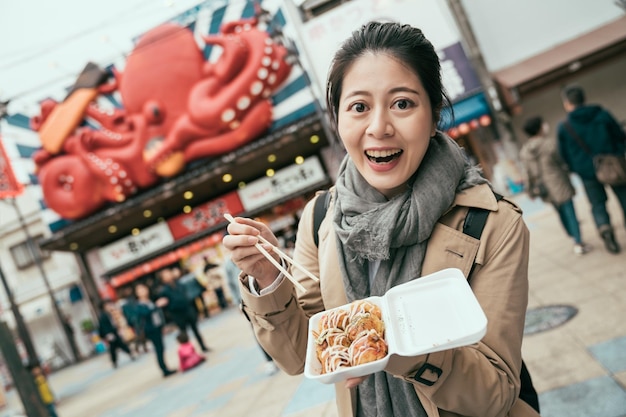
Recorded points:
(382,157)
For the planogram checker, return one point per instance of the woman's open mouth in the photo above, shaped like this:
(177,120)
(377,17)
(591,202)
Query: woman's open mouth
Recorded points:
(384,156)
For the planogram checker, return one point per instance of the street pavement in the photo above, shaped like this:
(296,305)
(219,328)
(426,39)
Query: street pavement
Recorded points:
(575,348)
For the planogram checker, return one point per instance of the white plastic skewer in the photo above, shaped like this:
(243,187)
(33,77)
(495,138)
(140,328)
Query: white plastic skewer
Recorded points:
(271,259)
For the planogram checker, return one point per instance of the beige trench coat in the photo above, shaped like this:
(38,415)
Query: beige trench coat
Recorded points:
(542,163)
(477,380)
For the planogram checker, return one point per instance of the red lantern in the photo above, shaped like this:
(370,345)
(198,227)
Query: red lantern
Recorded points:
(484,120)
(453,133)
(474,124)
(464,129)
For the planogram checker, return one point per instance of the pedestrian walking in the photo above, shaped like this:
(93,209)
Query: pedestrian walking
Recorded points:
(590,130)
(195,287)
(174,299)
(215,282)
(232,277)
(396,213)
(548,178)
(129,309)
(109,333)
(150,321)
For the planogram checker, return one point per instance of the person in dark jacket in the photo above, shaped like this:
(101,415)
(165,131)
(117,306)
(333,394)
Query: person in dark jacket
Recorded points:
(173,298)
(548,178)
(150,321)
(129,309)
(108,332)
(601,133)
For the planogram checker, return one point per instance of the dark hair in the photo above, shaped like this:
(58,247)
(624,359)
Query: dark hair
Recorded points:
(532,126)
(574,94)
(405,43)
(182,337)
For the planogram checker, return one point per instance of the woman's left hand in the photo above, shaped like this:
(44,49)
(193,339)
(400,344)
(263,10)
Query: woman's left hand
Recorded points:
(353,382)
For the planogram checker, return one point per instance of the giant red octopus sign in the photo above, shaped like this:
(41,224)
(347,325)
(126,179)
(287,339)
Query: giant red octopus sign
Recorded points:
(177,107)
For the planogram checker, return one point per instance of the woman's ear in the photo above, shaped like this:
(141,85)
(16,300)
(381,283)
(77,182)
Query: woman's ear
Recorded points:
(433,130)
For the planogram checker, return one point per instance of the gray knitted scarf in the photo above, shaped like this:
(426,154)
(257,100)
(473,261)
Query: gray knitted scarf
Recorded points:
(370,227)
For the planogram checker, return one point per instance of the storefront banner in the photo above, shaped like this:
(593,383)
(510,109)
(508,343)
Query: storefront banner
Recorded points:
(283,183)
(131,248)
(205,216)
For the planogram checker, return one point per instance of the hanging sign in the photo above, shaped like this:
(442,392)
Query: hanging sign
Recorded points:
(9,186)
(285,182)
(132,247)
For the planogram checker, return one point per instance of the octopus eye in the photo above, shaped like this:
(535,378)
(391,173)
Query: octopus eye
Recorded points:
(153,112)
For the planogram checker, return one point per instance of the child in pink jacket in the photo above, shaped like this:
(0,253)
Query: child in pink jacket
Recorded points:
(187,354)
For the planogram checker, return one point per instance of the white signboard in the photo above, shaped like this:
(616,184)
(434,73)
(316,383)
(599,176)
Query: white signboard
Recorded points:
(323,35)
(285,182)
(131,248)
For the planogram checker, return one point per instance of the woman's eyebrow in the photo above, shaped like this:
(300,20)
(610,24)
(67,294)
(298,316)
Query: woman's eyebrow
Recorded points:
(358,93)
(404,90)
(391,91)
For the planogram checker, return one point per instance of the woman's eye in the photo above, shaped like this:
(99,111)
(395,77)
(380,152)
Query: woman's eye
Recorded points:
(358,107)
(403,104)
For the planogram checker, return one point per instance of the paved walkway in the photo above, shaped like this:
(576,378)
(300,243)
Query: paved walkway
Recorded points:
(579,366)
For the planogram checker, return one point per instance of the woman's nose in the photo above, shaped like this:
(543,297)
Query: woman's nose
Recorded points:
(380,125)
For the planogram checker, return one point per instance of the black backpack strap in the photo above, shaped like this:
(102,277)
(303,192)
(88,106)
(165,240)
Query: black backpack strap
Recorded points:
(527,392)
(319,212)
(473,226)
(475,220)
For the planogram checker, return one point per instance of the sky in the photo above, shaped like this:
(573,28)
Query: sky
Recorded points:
(45,44)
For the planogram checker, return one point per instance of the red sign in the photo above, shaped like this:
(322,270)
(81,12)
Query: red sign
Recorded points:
(205,216)
(163,260)
(9,186)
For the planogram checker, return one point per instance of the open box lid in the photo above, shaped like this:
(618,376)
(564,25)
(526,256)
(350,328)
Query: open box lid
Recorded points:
(432,313)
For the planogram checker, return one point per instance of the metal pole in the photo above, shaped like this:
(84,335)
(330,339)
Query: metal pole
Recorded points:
(20,325)
(23,382)
(89,284)
(36,255)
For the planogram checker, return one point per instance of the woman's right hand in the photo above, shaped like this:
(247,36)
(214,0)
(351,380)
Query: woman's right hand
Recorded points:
(243,235)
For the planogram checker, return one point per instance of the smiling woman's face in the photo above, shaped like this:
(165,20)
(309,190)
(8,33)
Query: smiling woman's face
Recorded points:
(385,121)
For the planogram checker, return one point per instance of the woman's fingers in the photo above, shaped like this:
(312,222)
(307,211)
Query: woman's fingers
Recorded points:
(243,236)
(233,241)
(246,226)
(353,382)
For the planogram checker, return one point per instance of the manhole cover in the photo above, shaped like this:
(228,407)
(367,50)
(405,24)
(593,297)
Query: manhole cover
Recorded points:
(545,318)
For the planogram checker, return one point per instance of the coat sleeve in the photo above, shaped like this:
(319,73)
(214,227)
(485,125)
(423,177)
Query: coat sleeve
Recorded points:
(530,171)
(616,133)
(280,318)
(483,379)
(561,144)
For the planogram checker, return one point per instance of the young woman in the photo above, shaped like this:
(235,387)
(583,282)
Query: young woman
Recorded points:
(396,213)
(547,177)
(151,320)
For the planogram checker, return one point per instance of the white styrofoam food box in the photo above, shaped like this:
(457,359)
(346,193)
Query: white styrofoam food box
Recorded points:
(429,314)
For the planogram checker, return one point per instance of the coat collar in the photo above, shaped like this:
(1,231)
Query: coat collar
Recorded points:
(482,196)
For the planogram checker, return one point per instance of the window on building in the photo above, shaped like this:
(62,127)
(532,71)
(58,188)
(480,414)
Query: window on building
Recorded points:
(24,253)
